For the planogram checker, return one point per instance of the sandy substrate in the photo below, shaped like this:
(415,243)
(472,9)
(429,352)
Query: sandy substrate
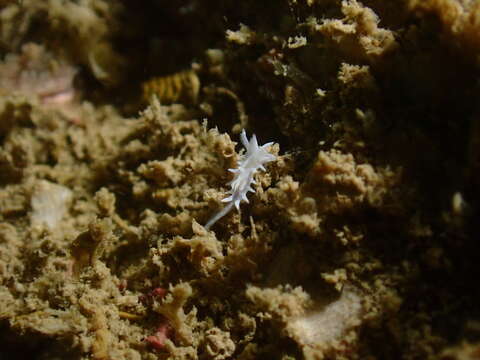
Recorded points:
(119,122)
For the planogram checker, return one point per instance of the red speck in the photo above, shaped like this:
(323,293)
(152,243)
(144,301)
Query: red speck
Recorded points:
(155,293)
(163,332)
(122,285)
(158,292)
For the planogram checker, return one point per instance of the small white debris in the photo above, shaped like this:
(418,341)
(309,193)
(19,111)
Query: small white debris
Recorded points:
(243,36)
(49,203)
(325,326)
(297,42)
(458,204)
(320,93)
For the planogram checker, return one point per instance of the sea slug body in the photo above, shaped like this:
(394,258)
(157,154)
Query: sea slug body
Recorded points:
(253,159)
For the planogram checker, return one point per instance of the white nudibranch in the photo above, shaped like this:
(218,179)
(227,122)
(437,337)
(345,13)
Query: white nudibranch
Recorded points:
(253,159)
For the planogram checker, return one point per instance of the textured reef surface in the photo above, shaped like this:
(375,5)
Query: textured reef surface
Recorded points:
(119,121)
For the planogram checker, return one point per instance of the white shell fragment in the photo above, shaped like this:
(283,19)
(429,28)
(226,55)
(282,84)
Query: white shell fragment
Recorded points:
(325,326)
(49,204)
